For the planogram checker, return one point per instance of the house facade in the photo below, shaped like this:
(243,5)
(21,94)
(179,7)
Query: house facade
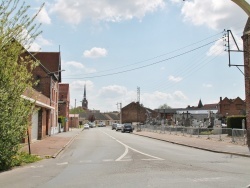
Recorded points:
(48,76)
(40,120)
(135,112)
(63,104)
(229,107)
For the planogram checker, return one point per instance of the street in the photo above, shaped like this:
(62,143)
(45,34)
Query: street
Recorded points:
(101,157)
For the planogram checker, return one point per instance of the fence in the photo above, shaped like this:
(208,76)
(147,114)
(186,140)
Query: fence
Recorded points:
(237,136)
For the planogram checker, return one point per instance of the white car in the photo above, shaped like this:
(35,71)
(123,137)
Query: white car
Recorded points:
(118,127)
(86,126)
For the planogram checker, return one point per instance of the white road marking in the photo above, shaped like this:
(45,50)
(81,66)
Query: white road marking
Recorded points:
(248,186)
(206,179)
(64,163)
(128,147)
(39,166)
(86,161)
(107,160)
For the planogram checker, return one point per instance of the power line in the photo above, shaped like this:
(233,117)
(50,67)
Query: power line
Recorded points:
(151,64)
(149,59)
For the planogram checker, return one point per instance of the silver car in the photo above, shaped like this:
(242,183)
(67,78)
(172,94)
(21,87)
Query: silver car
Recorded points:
(118,127)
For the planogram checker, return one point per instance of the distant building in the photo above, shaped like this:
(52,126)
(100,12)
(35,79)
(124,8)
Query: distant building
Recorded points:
(229,107)
(84,101)
(107,118)
(135,112)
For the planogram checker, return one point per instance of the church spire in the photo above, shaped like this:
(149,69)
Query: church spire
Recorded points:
(84,101)
(200,105)
(84,95)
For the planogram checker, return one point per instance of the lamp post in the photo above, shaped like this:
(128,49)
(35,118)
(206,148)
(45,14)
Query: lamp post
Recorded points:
(246,44)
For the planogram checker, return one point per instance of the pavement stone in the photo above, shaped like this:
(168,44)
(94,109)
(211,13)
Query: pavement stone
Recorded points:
(199,143)
(51,146)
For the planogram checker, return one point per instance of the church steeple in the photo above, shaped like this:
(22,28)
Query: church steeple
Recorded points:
(84,95)
(200,105)
(84,101)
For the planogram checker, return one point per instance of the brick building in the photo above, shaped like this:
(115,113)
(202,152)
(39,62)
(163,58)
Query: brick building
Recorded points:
(63,104)
(134,112)
(73,121)
(229,107)
(40,120)
(48,75)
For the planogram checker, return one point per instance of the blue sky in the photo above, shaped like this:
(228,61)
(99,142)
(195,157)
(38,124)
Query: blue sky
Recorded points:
(172,50)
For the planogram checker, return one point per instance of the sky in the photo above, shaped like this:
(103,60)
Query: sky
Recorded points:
(153,51)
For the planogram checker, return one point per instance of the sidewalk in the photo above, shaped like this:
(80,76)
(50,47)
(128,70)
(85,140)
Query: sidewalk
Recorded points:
(51,146)
(199,143)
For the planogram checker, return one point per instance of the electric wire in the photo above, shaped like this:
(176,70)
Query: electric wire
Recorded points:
(151,64)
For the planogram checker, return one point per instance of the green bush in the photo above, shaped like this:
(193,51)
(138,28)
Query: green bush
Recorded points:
(23,158)
(235,122)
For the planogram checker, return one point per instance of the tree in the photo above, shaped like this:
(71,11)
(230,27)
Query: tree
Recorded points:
(91,118)
(164,106)
(17,31)
(76,110)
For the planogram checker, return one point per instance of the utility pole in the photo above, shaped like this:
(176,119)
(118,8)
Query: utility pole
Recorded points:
(119,106)
(75,115)
(138,109)
(246,45)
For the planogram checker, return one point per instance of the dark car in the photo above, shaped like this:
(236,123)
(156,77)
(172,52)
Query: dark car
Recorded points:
(127,127)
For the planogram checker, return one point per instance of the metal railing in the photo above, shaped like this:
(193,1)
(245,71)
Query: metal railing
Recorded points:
(237,136)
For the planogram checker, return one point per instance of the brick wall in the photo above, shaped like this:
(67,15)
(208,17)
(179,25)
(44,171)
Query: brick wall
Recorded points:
(246,46)
(63,103)
(134,113)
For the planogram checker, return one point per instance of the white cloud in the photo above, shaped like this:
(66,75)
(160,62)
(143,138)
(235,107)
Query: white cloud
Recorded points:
(35,47)
(79,85)
(174,79)
(207,85)
(75,11)
(79,66)
(95,52)
(215,14)
(157,98)
(179,95)
(113,91)
(216,49)
(43,17)
(38,43)
(44,42)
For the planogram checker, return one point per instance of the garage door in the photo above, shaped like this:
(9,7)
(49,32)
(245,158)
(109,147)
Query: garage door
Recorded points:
(34,128)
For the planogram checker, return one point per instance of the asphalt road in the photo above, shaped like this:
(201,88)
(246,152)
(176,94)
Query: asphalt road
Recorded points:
(101,157)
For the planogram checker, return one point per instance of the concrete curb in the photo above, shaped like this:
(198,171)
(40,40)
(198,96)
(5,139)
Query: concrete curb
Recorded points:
(71,140)
(197,147)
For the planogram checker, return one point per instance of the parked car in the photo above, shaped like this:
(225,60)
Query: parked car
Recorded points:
(127,127)
(118,127)
(113,126)
(91,124)
(86,126)
(101,125)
